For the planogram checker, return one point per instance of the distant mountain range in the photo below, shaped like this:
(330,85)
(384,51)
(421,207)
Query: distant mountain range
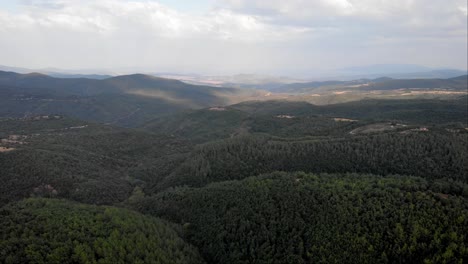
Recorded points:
(57,73)
(396,71)
(263,81)
(270,82)
(132,100)
(459,83)
(384,68)
(125,100)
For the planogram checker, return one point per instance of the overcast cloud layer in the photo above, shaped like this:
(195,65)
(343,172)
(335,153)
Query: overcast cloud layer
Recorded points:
(293,37)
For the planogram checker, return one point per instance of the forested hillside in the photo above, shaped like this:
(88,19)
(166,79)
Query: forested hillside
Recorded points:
(300,119)
(78,160)
(418,111)
(432,156)
(374,181)
(128,100)
(326,218)
(57,231)
(137,99)
(233,132)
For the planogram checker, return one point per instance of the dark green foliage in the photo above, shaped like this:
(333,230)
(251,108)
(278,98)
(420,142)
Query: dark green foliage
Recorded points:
(301,126)
(305,218)
(418,111)
(276,108)
(87,178)
(430,155)
(57,231)
(207,125)
(40,124)
(278,217)
(300,119)
(201,125)
(86,162)
(307,120)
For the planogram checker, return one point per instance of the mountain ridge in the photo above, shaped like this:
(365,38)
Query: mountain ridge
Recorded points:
(139,96)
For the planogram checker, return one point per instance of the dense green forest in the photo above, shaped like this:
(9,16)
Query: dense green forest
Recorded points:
(299,119)
(81,161)
(57,231)
(374,181)
(429,155)
(326,218)
(417,111)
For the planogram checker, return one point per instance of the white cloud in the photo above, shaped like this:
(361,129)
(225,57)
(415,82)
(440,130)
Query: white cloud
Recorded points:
(463,10)
(116,16)
(447,15)
(233,36)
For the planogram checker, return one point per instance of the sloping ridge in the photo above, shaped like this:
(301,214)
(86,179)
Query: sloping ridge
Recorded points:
(119,84)
(107,100)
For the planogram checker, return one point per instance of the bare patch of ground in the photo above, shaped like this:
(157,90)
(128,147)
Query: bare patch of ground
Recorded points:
(285,116)
(442,92)
(443,195)
(6,149)
(42,117)
(217,109)
(14,139)
(375,128)
(45,189)
(338,119)
(78,127)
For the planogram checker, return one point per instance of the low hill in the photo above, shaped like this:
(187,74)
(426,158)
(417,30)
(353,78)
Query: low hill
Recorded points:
(52,156)
(259,137)
(55,156)
(420,111)
(200,125)
(320,218)
(431,155)
(457,83)
(305,87)
(58,231)
(299,119)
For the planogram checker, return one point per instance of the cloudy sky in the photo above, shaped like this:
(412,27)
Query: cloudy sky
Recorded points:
(289,37)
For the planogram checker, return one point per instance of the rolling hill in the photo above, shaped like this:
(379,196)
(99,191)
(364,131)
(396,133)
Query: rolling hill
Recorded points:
(59,231)
(271,182)
(319,218)
(299,119)
(123,100)
(105,163)
(54,156)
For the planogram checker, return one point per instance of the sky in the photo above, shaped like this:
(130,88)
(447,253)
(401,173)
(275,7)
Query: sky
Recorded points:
(216,37)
